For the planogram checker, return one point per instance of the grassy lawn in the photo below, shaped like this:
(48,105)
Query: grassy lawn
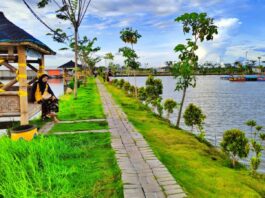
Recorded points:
(202,170)
(86,106)
(76,165)
(63,166)
(79,126)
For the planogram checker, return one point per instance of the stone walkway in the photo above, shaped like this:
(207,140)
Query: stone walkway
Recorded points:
(143,175)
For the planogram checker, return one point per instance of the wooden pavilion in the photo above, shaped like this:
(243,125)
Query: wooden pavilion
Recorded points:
(16,46)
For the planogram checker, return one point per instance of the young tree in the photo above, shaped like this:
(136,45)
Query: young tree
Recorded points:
(255,160)
(142,94)
(202,28)
(193,116)
(86,51)
(154,89)
(235,144)
(108,56)
(169,106)
(126,87)
(73,11)
(251,124)
(128,35)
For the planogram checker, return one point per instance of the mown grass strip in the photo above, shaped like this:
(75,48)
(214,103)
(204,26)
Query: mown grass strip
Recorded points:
(59,166)
(87,105)
(202,170)
(79,126)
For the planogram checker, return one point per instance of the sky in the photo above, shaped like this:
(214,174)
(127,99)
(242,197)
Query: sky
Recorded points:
(241,26)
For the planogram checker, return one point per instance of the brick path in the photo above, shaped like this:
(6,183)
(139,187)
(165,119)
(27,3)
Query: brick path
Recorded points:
(143,175)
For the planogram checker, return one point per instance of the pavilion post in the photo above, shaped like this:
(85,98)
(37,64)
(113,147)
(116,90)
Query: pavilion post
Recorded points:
(22,79)
(41,66)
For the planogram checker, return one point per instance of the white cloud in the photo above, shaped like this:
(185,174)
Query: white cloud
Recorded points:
(213,50)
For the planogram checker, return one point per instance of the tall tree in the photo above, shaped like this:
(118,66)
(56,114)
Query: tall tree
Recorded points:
(201,28)
(86,51)
(128,35)
(108,56)
(70,10)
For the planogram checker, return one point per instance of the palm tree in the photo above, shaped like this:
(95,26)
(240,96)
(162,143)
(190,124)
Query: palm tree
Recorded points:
(259,60)
(128,35)
(108,56)
(251,124)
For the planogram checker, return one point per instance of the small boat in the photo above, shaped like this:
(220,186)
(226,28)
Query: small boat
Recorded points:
(261,78)
(226,77)
(237,79)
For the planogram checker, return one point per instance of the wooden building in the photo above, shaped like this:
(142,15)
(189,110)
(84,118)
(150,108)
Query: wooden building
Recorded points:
(16,46)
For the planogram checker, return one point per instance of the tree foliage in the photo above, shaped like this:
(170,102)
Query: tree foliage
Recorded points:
(235,144)
(169,106)
(193,116)
(154,88)
(128,35)
(201,28)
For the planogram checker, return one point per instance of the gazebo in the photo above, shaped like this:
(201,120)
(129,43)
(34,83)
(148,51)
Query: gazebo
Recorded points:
(16,46)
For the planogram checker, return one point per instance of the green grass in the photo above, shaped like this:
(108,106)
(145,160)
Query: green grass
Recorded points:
(79,126)
(59,166)
(87,105)
(202,170)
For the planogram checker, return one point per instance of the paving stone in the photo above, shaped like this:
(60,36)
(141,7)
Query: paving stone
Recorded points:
(164,183)
(133,193)
(171,187)
(174,191)
(155,195)
(181,195)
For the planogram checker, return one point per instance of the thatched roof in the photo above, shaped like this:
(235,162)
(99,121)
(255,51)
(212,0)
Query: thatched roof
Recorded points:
(70,65)
(10,33)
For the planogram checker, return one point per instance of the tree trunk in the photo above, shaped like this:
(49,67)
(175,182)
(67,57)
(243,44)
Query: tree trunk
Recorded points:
(181,106)
(76,59)
(136,94)
(233,162)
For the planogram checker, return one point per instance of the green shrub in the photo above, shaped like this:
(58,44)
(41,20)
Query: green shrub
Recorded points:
(126,86)
(142,94)
(114,82)
(121,82)
(154,88)
(235,144)
(193,116)
(169,106)
(132,90)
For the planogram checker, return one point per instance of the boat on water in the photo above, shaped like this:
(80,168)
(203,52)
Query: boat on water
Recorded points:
(247,78)
(237,79)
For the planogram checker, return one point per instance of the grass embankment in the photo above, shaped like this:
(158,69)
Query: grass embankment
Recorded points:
(76,165)
(200,169)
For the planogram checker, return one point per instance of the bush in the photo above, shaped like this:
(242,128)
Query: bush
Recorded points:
(114,82)
(132,89)
(255,160)
(193,116)
(72,84)
(159,107)
(126,86)
(121,82)
(142,94)
(154,88)
(169,106)
(235,144)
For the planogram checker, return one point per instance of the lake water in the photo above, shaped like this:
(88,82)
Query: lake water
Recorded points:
(226,104)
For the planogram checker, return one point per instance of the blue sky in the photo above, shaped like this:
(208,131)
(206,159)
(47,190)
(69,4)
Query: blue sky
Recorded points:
(240,22)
